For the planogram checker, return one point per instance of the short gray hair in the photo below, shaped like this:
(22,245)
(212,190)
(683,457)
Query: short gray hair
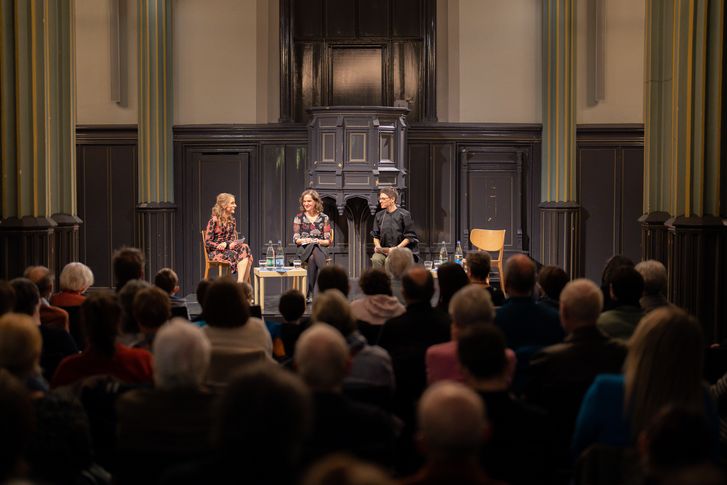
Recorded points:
(334,309)
(398,262)
(321,356)
(181,355)
(654,274)
(472,304)
(75,277)
(583,300)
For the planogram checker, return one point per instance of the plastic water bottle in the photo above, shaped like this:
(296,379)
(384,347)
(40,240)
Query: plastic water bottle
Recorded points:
(279,255)
(458,254)
(443,256)
(270,256)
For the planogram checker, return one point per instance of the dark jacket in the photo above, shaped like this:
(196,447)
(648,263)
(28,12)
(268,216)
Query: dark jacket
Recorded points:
(527,323)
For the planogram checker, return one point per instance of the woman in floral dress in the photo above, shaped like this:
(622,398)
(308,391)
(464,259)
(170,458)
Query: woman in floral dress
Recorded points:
(221,238)
(312,234)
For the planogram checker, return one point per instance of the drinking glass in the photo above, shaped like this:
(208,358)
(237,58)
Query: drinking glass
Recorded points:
(428,265)
(296,263)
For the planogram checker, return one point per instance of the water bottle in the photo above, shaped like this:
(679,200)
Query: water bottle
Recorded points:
(270,256)
(443,257)
(279,255)
(458,254)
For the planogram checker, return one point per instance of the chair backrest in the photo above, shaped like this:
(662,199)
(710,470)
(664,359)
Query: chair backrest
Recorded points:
(225,362)
(204,246)
(491,240)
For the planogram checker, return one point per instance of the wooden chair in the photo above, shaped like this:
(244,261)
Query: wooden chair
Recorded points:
(492,241)
(208,263)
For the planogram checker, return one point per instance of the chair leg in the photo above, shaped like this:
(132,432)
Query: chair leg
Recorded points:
(206,270)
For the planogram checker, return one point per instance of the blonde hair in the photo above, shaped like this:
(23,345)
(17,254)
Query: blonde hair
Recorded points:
(316,198)
(218,210)
(20,345)
(663,366)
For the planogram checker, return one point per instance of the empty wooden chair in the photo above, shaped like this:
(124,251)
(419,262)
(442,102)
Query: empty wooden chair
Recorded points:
(492,241)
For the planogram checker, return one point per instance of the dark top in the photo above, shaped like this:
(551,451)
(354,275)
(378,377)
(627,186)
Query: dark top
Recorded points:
(526,323)
(390,228)
(318,229)
(57,345)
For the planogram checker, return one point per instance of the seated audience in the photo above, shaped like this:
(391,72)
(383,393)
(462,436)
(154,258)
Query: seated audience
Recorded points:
(525,322)
(450,279)
(168,281)
(560,375)
(255,441)
(479,265)
(168,424)
(130,330)
(469,306)
(229,324)
(17,422)
(626,289)
(377,305)
(518,449)
(343,469)
(75,279)
(20,351)
(151,309)
(452,429)
(57,343)
(655,280)
(612,265)
(341,424)
(370,364)
(7,297)
(333,276)
(128,265)
(399,261)
(291,307)
(617,408)
(101,318)
(551,281)
(50,316)
(255,310)
(201,293)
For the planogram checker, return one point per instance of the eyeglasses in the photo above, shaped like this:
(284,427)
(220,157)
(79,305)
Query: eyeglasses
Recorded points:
(384,197)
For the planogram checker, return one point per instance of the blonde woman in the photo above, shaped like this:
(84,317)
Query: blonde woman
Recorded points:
(312,235)
(221,238)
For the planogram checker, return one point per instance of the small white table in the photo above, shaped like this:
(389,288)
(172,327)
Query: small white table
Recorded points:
(299,276)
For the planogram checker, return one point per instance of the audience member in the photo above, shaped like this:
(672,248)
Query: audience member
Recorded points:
(20,351)
(452,429)
(168,281)
(399,261)
(560,375)
(291,307)
(479,265)
(525,322)
(50,316)
(151,309)
(614,262)
(370,364)
(341,424)
(128,265)
(655,280)
(57,343)
(130,330)
(201,293)
(451,277)
(377,305)
(7,297)
(333,276)
(100,319)
(626,289)
(518,450)
(551,281)
(75,279)
(255,310)
(617,408)
(17,423)
(342,469)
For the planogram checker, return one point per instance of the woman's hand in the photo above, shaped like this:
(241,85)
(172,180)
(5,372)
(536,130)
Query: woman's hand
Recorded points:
(221,246)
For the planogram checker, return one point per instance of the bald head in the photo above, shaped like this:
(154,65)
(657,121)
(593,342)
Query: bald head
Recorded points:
(321,357)
(451,420)
(42,277)
(417,285)
(520,275)
(581,302)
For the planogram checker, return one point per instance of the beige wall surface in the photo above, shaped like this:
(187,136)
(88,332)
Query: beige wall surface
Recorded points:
(93,63)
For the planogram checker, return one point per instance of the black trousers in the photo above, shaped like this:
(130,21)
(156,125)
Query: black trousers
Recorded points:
(316,261)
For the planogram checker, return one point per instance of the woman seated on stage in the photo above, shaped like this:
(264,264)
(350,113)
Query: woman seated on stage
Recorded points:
(393,228)
(312,234)
(221,239)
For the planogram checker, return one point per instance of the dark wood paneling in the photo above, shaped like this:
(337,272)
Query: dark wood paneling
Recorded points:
(407,75)
(340,19)
(407,18)
(358,76)
(307,19)
(307,80)
(373,17)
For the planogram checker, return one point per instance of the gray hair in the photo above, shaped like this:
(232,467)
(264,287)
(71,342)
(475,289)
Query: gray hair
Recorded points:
(398,262)
(321,356)
(472,304)
(75,277)
(654,274)
(582,299)
(181,355)
(334,309)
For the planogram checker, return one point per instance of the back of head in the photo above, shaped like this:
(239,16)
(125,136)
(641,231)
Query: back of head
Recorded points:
(321,357)
(375,282)
(20,345)
(167,280)
(181,355)
(225,304)
(126,299)
(552,280)
(581,302)
(151,307)
(417,285)
(27,296)
(292,305)
(201,291)
(481,351)
(247,292)
(614,262)
(479,264)
(627,286)
(100,319)
(471,305)
(341,469)
(75,277)
(451,278)
(520,274)
(655,376)
(263,435)
(333,277)
(17,423)
(7,297)
(332,307)
(42,277)
(398,262)
(128,265)
(654,274)
(675,438)
(451,420)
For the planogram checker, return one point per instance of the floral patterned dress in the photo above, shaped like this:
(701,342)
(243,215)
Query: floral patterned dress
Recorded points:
(303,228)
(234,252)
